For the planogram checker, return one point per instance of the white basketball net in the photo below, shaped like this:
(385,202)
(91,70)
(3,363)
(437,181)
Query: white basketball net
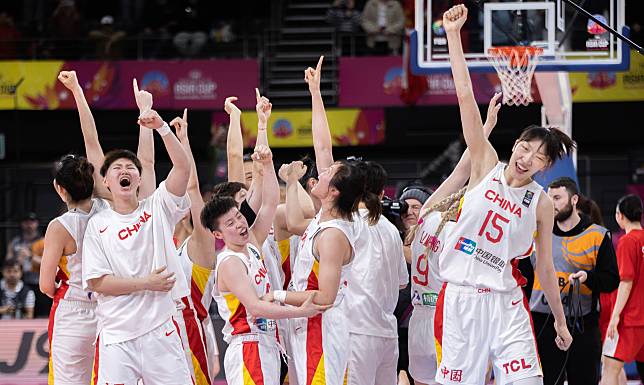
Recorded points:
(515,67)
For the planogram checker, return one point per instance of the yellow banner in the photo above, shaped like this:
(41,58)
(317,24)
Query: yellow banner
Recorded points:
(292,128)
(38,81)
(610,86)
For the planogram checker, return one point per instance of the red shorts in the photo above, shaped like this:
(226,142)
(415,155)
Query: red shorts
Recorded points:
(606,303)
(628,344)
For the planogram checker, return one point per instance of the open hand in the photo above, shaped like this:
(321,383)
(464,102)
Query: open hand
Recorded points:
(160,281)
(493,111)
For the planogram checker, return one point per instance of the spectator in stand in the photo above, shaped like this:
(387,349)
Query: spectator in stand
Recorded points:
(66,24)
(415,196)
(625,333)
(108,40)
(10,35)
(384,20)
(21,246)
(190,37)
(344,16)
(17,300)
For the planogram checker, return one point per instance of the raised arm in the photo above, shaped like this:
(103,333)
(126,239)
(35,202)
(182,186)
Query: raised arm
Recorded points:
(145,151)
(177,180)
(263,108)
(234,142)
(462,171)
(322,143)
(201,246)
(270,195)
(296,221)
(479,146)
(88,127)
(546,271)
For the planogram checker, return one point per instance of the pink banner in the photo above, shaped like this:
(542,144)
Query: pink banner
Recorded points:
(377,81)
(24,352)
(195,84)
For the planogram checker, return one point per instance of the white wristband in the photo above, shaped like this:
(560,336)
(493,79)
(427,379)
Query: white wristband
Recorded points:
(260,127)
(279,296)
(164,130)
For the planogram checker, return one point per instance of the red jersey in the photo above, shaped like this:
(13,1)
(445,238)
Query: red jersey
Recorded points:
(630,260)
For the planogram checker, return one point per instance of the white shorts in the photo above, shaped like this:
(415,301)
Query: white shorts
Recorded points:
(421,345)
(284,330)
(320,347)
(372,360)
(473,326)
(72,333)
(155,357)
(193,340)
(252,358)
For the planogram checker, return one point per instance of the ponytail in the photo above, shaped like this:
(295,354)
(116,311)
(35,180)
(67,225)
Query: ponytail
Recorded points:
(372,201)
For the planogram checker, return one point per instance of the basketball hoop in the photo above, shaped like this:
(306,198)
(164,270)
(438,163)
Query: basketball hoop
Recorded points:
(515,67)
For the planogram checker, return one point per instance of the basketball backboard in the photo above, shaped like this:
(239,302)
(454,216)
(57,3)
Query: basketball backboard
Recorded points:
(570,41)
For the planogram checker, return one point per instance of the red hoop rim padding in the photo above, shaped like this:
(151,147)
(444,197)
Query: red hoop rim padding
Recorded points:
(517,56)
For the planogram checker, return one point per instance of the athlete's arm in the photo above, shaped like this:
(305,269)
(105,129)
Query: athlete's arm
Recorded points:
(322,143)
(270,195)
(201,245)
(546,270)
(110,285)
(296,222)
(477,143)
(263,108)
(93,148)
(56,237)
(623,293)
(234,278)
(177,180)
(462,170)
(334,249)
(145,151)
(234,142)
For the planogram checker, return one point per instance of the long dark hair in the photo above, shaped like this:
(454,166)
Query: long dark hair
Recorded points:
(350,181)
(75,174)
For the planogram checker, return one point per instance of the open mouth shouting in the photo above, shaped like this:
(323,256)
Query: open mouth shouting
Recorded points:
(520,168)
(244,232)
(124,181)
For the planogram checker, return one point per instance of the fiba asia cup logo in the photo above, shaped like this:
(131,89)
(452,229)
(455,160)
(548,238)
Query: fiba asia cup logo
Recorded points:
(597,41)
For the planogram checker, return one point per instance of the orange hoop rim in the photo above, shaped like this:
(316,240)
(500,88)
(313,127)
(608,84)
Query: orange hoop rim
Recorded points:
(516,56)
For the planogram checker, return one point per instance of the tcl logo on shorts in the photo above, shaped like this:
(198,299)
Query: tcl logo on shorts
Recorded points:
(515,366)
(128,231)
(465,245)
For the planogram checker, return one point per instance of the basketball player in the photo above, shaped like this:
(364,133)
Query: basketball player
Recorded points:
(241,279)
(379,271)
(481,312)
(125,253)
(197,257)
(625,334)
(436,218)
(72,320)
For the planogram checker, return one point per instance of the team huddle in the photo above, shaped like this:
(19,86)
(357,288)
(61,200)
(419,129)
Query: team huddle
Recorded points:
(306,287)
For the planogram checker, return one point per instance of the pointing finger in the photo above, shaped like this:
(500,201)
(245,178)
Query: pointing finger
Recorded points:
(319,66)
(135,85)
(257,95)
(185,114)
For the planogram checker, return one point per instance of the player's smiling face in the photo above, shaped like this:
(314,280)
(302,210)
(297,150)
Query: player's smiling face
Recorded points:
(123,177)
(528,158)
(233,228)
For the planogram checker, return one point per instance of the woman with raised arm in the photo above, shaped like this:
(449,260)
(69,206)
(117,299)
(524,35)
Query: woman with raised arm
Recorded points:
(197,257)
(241,280)
(72,319)
(481,312)
(427,238)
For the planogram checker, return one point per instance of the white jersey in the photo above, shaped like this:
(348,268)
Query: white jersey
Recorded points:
(496,226)
(70,270)
(426,282)
(237,320)
(379,269)
(128,246)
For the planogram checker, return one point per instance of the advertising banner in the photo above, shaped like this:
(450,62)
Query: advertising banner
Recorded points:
(610,86)
(24,352)
(195,84)
(292,128)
